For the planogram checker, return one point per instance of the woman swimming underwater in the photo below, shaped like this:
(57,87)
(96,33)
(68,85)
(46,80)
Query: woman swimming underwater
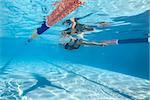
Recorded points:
(70,42)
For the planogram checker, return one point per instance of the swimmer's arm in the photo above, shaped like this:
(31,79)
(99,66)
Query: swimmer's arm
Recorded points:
(73,23)
(73,28)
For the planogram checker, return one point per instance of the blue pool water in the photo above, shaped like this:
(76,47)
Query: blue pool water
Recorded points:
(43,70)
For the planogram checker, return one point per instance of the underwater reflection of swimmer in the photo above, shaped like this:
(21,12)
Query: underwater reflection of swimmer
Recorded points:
(77,27)
(75,20)
(41,83)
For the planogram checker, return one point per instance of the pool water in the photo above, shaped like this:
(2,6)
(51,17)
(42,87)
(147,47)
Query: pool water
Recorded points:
(44,70)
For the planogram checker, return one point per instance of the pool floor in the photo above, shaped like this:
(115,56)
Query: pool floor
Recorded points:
(44,79)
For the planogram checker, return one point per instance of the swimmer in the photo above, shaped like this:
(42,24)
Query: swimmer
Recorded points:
(76,27)
(70,43)
(76,43)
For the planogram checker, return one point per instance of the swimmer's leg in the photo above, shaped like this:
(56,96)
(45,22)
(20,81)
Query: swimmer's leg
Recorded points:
(93,43)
